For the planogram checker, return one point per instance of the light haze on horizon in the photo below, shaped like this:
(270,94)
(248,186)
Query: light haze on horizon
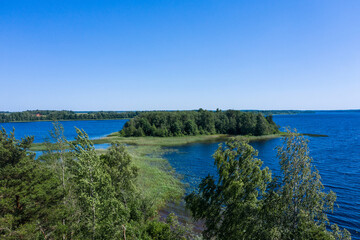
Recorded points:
(167,55)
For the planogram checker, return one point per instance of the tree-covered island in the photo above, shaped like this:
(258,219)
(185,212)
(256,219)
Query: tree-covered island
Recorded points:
(76,192)
(201,122)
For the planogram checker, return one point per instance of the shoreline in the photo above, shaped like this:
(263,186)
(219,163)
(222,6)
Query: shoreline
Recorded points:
(176,141)
(157,178)
(65,120)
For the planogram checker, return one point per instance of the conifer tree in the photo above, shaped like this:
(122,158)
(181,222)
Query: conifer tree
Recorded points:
(29,193)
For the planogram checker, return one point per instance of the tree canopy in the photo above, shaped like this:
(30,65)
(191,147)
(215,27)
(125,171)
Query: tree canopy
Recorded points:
(76,193)
(243,202)
(51,115)
(230,204)
(183,123)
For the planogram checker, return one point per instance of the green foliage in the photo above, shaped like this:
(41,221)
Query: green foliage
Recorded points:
(96,194)
(297,203)
(76,194)
(171,229)
(230,205)
(110,205)
(29,193)
(244,204)
(185,123)
(81,194)
(50,115)
(59,159)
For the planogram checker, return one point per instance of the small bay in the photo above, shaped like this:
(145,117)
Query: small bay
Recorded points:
(337,157)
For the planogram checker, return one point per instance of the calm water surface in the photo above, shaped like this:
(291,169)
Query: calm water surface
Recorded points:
(40,130)
(337,158)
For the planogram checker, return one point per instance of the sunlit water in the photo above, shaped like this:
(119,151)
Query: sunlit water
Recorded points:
(40,130)
(337,158)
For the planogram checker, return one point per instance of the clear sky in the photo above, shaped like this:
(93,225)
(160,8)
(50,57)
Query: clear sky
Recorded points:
(145,55)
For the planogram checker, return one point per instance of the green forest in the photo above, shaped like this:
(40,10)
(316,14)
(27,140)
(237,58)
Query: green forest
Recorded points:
(185,123)
(51,115)
(74,192)
(244,200)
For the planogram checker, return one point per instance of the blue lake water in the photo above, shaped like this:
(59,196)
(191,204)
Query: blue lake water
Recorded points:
(337,158)
(40,130)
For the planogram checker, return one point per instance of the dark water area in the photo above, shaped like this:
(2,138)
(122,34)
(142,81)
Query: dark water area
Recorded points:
(94,128)
(337,157)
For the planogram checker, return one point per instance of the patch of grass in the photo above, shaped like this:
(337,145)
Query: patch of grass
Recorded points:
(176,141)
(156,180)
(314,135)
(167,141)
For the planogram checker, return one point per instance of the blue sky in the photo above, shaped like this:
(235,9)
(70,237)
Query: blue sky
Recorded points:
(143,55)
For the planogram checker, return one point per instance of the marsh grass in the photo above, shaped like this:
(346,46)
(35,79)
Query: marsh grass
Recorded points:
(167,141)
(157,180)
(177,141)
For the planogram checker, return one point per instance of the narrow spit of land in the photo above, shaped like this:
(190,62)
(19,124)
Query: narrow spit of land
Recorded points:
(157,179)
(175,141)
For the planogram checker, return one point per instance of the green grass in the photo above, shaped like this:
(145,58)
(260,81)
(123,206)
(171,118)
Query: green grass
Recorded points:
(157,180)
(177,141)
(167,141)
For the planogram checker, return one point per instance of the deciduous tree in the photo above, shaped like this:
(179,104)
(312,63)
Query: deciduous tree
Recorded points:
(230,203)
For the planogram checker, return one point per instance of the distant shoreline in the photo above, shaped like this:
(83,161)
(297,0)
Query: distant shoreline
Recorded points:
(176,141)
(265,112)
(66,120)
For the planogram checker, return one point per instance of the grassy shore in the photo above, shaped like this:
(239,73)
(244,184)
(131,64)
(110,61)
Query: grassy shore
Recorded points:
(175,141)
(167,141)
(178,141)
(157,180)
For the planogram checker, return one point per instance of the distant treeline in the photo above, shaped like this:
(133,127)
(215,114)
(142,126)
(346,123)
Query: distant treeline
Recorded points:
(182,123)
(36,115)
(281,112)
